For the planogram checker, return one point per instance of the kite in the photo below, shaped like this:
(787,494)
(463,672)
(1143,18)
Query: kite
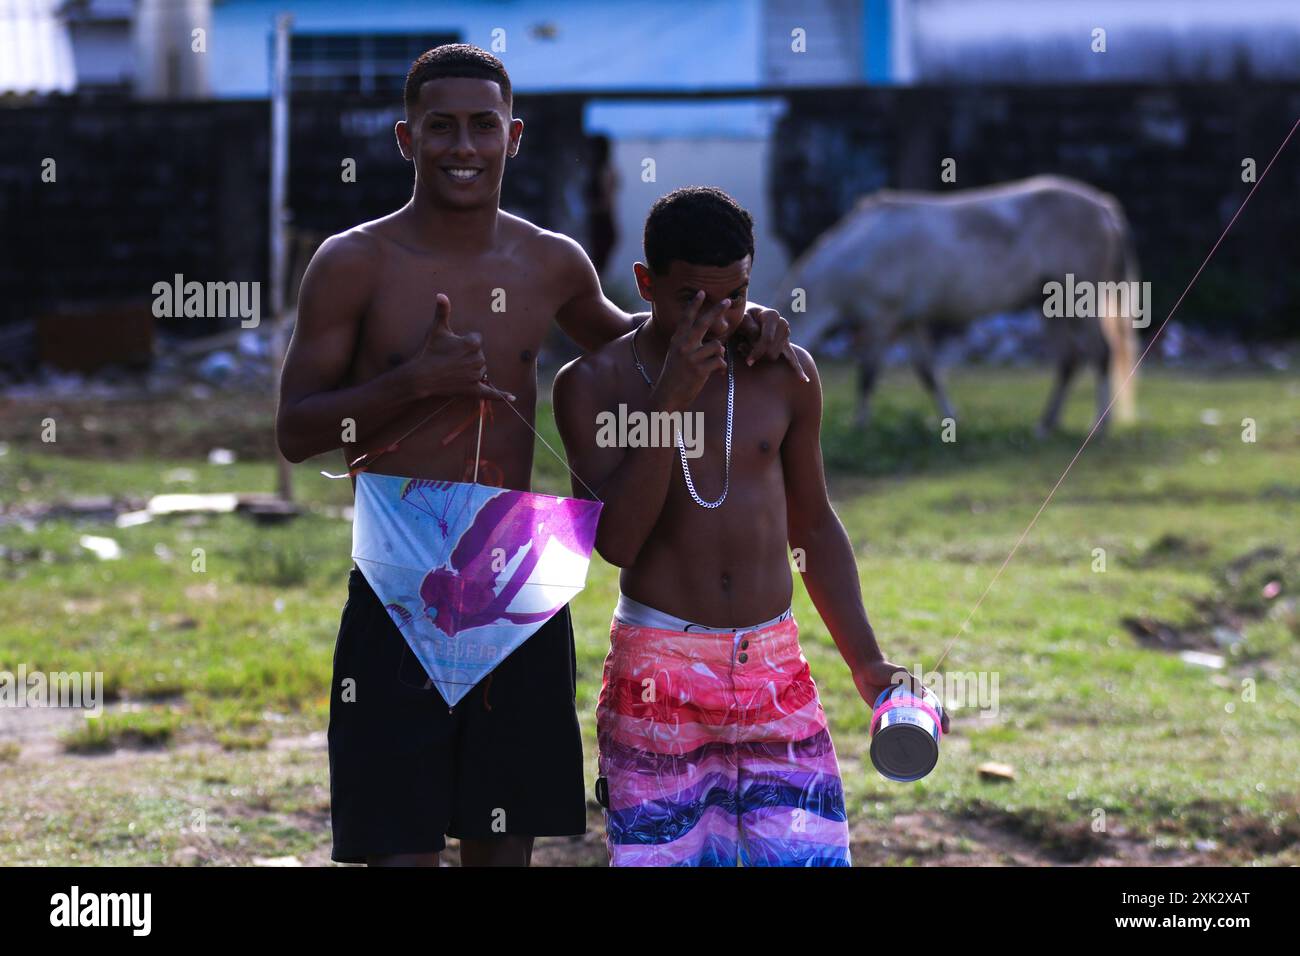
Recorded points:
(467,572)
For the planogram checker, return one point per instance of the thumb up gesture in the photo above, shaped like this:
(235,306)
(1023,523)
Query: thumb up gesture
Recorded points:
(451,364)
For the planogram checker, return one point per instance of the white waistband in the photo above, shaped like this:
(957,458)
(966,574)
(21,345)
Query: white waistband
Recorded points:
(636,614)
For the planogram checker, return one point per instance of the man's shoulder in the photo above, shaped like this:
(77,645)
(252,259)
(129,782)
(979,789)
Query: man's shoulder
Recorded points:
(805,396)
(778,380)
(367,241)
(345,268)
(355,248)
(598,368)
(552,248)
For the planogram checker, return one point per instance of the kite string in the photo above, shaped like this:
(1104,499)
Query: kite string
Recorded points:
(1114,397)
(478,448)
(558,457)
(355,467)
(370,457)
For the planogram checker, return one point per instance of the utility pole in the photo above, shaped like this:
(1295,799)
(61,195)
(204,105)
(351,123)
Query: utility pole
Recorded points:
(280,214)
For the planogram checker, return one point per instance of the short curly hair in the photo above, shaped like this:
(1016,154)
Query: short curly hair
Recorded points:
(455,60)
(701,225)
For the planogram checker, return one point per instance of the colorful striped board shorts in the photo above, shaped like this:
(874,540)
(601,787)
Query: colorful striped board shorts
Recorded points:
(714,750)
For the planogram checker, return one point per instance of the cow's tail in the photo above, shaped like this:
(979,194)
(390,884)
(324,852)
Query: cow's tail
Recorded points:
(1117,327)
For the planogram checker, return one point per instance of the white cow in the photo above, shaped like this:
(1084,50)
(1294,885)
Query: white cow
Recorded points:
(899,262)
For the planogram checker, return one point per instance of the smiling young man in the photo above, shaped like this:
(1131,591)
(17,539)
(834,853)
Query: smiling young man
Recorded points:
(375,351)
(713,743)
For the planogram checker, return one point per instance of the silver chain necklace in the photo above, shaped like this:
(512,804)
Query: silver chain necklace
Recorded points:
(681,450)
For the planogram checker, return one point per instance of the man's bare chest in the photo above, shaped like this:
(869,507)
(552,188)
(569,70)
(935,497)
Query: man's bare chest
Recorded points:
(760,418)
(508,306)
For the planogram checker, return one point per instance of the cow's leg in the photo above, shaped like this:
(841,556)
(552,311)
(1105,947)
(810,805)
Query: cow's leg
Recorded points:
(1065,367)
(1068,344)
(870,351)
(924,363)
(869,356)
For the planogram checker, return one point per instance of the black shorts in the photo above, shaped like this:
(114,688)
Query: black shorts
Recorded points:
(405,769)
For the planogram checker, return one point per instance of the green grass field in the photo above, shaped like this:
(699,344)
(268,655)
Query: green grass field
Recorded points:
(212,749)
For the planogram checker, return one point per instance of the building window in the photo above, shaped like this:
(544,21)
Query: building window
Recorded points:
(367,63)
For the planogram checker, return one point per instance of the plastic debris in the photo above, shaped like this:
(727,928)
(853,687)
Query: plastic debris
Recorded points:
(1201,659)
(129,519)
(106,549)
(219,503)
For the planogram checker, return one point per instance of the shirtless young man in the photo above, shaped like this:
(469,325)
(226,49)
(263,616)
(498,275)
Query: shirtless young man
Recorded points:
(371,357)
(713,743)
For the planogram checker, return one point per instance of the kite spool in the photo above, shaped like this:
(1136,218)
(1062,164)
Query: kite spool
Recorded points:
(905,732)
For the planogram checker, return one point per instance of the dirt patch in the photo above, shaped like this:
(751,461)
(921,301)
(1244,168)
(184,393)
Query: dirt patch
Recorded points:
(1245,837)
(1262,582)
(1169,549)
(930,838)
(279,827)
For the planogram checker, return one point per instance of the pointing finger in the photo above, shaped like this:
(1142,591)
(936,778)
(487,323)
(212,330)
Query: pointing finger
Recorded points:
(763,348)
(705,321)
(693,317)
(693,307)
(792,357)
